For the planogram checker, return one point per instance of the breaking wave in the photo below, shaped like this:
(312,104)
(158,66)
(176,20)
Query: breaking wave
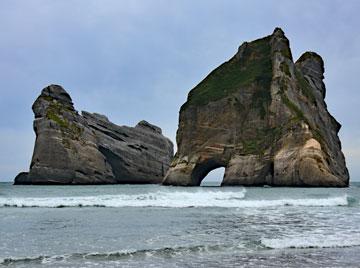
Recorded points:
(313,241)
(304,202)
(178,199)
(156,199)
(117,255)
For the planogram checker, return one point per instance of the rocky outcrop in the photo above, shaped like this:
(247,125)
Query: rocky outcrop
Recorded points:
(88,149)
(262,117)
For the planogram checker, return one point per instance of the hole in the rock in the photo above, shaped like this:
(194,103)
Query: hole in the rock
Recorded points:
(214,177)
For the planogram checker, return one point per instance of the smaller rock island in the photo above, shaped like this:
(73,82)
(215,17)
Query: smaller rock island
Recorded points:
(88,149)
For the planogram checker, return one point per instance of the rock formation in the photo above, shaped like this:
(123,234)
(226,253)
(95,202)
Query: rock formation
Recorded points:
(262,117)
(88,149)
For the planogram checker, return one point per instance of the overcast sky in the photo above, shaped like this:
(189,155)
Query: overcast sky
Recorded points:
(134,60)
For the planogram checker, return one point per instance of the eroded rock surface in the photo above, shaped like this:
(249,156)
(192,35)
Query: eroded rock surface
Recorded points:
(262,117)
(88,149)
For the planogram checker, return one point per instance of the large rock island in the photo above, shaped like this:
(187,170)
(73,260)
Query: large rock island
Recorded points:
(88,149)
(262,117)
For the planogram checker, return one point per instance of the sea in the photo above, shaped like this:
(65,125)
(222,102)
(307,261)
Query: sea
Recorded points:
(164,226)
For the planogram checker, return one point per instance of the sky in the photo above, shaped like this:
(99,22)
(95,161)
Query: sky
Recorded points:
(135,60)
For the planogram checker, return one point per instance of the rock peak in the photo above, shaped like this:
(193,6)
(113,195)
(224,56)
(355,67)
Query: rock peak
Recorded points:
(311,64)
(56,92)
(52,97)
(278,31)
(311,57)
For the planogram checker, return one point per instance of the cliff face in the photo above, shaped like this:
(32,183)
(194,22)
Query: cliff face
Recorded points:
(88,149)
(262,117)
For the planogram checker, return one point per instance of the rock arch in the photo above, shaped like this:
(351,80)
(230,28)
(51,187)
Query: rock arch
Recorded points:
(264,118)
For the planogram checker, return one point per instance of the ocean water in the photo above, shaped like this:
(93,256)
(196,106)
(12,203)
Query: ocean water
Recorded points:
(158,226)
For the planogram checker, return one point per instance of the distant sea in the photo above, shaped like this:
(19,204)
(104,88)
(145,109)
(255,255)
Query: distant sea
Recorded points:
(158,226)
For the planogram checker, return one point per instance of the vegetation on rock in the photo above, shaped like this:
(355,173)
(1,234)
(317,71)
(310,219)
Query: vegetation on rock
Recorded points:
(253,68)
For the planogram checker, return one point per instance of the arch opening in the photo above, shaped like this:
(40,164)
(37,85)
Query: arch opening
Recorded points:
(214,178)
(202,169)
